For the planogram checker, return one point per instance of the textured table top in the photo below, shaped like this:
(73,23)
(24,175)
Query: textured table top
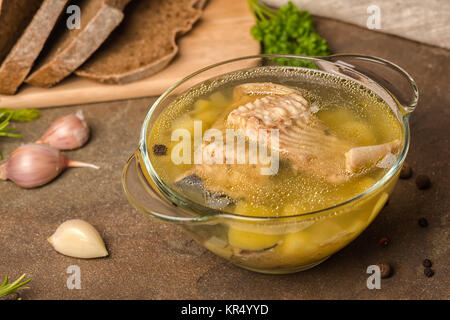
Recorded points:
(152,260)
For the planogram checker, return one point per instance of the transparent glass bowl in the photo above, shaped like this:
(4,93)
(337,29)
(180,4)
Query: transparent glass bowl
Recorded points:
(275,244)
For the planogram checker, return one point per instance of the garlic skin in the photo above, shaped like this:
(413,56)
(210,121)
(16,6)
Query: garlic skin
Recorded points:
(67,133)
(79,239)
(33,165)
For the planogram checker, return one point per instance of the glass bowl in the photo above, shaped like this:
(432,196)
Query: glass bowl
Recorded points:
(282,244)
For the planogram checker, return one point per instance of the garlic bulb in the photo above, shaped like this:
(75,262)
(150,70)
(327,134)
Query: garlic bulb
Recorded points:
(79,239)
(67,133)
(33,165)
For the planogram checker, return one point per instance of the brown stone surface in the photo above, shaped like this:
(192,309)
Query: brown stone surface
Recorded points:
(152,260)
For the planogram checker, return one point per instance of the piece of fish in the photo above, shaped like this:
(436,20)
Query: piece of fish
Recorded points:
(359,158)
(261,89)
(303,139)
(193,187)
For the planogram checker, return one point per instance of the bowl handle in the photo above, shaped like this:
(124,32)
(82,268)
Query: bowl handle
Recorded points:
(144,197)
(391,77)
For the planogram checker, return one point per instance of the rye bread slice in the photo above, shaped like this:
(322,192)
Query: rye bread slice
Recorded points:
(20,59)
(69,49)
(14,18)
(145,41)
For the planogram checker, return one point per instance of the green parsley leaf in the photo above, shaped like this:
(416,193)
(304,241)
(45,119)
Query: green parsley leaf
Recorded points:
(287,31)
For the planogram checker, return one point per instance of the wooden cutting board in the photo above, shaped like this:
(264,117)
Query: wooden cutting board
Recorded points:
(222,33)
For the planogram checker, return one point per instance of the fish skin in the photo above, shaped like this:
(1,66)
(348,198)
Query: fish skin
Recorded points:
(193,186)
(303,138)
(261,89)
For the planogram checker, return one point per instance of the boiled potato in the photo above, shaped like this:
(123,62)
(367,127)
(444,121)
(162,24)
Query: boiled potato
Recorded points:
(324,231)
(297,245)
(208,117)
(219,99)
(202,105)
(388,127)
(251,240)
(346,124)
(352,222)
(184,122)
(248,239)
(358,132)
(205,111)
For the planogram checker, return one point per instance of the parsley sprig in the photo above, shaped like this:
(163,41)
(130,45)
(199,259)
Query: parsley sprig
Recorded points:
(287,30)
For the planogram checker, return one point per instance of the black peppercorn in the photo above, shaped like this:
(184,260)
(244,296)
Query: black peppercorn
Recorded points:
(423,182)
(428,272)
(423,222)
(385,270)
(159,150)
(427,263)
(406,171)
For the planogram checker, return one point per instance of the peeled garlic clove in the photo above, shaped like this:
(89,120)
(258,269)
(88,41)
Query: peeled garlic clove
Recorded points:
(67,133)
(79,239)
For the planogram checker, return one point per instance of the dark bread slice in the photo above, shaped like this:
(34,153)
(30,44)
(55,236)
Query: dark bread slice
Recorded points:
(14,18)
(145,41)
(20,59)
(71,48)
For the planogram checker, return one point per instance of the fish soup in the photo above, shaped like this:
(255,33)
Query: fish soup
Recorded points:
(325,140)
